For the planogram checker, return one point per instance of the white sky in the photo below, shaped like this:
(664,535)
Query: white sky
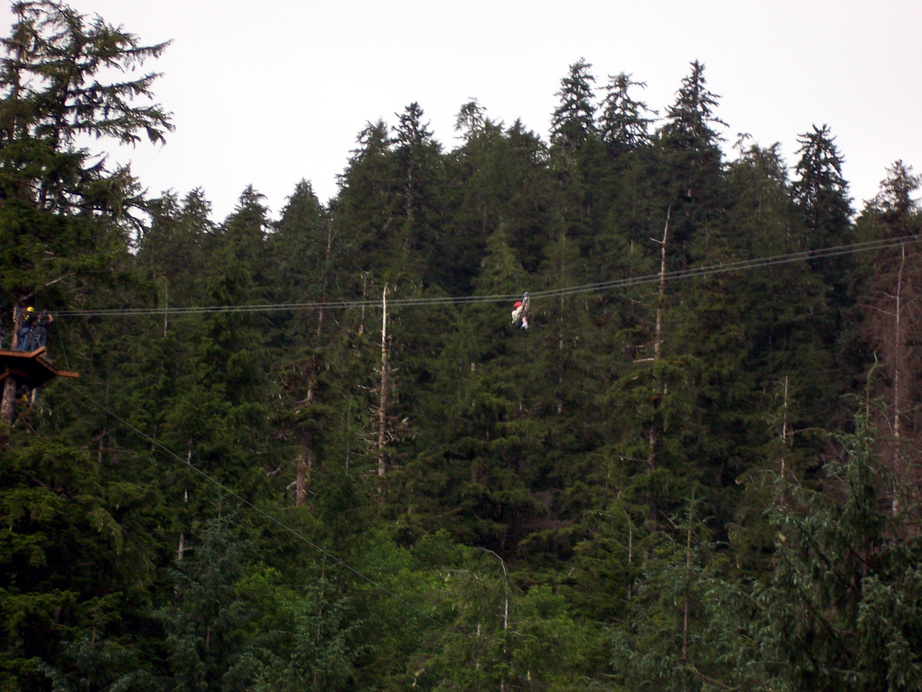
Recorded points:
(271,92)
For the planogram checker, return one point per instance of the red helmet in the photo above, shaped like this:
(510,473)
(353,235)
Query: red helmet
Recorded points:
(517,304)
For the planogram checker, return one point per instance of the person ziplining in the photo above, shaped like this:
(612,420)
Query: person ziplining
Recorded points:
(520,312)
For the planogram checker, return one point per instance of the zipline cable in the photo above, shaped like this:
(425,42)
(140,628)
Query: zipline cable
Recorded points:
(297,534)
(707,270)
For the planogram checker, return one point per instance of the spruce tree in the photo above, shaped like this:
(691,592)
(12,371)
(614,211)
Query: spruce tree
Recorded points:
(840,610)
(888,297)
(821,197)
(573,121)
(820,191)
(624,123)
(415,245)
(81,557)
(204,623)
(688,159)
(66,214)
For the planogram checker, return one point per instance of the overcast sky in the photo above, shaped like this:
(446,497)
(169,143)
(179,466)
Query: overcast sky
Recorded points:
(271,92)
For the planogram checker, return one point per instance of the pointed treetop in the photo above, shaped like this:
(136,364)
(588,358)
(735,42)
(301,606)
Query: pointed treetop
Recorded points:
(896,191)
(691,118)
(411,131)
(470,119)
(56,58)
(624,124)
(819,166)
(573,120)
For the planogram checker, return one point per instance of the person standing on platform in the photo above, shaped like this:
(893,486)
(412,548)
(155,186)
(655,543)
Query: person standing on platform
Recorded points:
(25,329)
(40,330)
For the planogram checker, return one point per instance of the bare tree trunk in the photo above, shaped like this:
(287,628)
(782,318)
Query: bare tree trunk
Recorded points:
(305,464)
(101,448)
(653,437)
(658,343)
(560,364)
(897,393)
(364,289)
(8,407)
(382,398)
(502,683)
(687,586)
(8,399)
(181,549)
(166,305)
(17,323)
(326,267)
(784,426)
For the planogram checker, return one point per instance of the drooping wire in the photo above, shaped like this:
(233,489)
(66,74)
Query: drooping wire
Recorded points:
(742,265)
(285,527)
(626,282)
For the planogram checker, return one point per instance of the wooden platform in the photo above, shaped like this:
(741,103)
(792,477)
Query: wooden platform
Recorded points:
(31,368)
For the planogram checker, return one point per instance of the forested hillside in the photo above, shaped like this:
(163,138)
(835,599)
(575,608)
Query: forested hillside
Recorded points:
(313,452)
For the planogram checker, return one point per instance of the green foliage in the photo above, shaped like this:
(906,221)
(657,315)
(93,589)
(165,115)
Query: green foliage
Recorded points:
(62,208)
(532,528)
(305,636)
(206,621)
(502,637)
(573,121)
(624,124)
(841,610)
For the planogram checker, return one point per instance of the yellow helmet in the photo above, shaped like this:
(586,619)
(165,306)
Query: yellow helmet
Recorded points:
(30,309)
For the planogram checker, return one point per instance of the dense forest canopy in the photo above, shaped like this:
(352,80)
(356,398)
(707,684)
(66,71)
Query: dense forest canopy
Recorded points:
(312,452)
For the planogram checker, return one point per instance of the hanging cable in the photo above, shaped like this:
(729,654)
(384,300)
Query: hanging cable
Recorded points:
(211,479)
(627,282)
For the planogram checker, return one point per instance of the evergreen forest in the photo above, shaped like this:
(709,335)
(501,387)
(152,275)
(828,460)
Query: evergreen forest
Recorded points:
(312,452)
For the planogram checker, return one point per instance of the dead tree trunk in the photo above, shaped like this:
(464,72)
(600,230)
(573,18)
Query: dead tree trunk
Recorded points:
(166,305)
(17,323)
(8,406)
(685,604)
(658,340)
(382,397)
(653,437)
(181,548)
(304,466)
(325,282)
(896,461)
(11,383)
(364,295)
(784,426)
